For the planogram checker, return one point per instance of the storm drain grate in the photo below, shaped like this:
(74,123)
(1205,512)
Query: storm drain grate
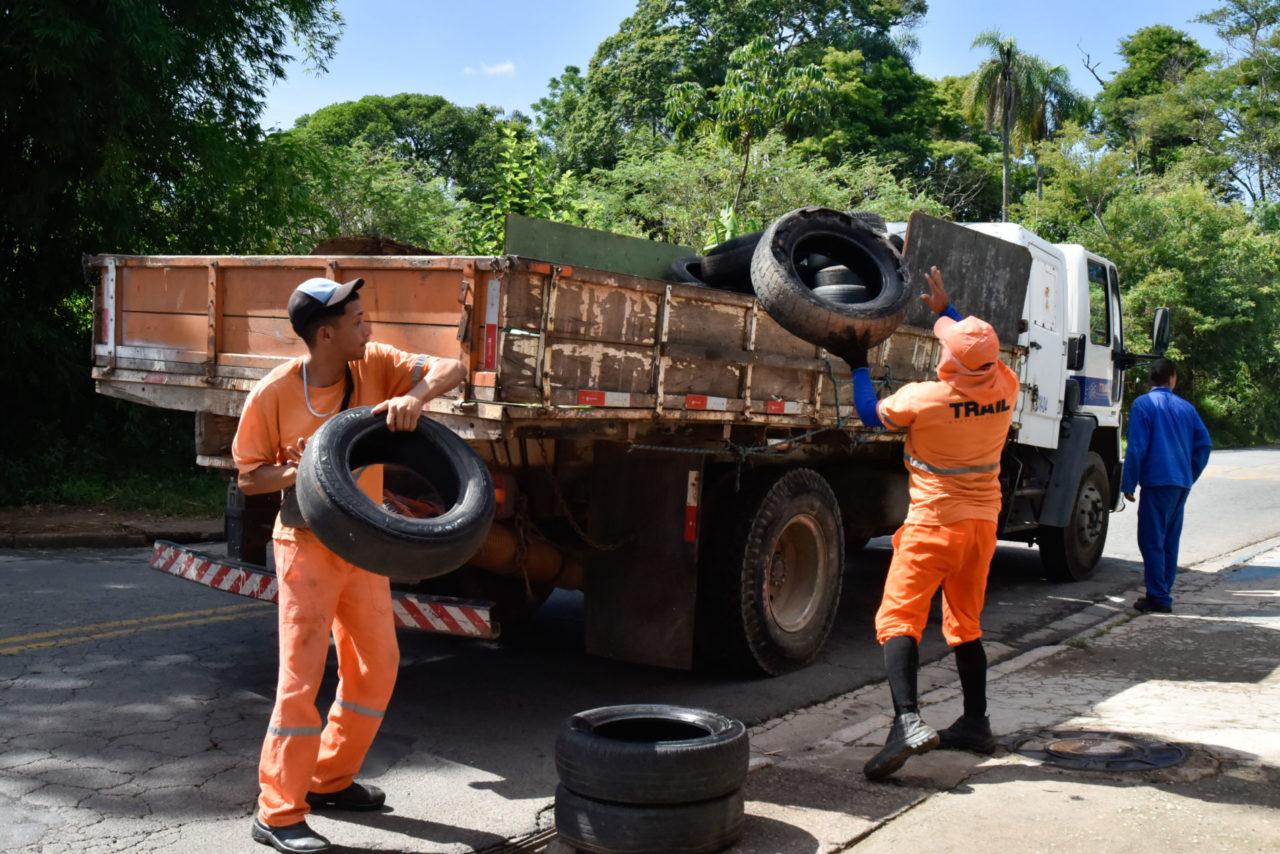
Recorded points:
(1099,751)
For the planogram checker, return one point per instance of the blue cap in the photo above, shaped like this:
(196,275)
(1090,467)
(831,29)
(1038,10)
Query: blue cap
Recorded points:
(313,296)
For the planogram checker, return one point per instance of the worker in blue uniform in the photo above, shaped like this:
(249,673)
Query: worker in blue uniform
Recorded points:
(1168,449)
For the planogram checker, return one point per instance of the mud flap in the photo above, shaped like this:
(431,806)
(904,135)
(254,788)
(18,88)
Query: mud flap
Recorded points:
(1068,461)
(641,599)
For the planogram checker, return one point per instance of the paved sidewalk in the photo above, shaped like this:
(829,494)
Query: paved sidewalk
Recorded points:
(1207,678)
(60,527)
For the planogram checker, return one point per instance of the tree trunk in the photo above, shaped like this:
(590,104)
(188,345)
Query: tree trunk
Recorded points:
(1004,141)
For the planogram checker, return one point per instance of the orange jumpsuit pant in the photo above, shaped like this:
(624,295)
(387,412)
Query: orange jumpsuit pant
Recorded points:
(319,593)
(955,557)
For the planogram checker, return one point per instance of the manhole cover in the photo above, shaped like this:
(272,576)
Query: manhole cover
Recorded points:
(1099,751)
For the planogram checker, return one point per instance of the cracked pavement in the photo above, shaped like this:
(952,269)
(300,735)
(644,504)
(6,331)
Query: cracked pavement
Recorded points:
(146,739)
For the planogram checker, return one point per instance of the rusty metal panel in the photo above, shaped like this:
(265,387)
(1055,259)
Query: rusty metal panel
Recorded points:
(615,367)
(683,376)
(641,599)
(605,313)
(985,276)
(698,321)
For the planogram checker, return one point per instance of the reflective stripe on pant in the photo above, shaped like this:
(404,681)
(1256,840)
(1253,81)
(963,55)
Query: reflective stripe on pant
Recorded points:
(956,558)
(320,593)
(1160,511)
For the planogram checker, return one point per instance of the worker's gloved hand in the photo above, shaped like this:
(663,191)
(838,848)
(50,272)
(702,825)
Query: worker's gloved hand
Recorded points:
(856,357)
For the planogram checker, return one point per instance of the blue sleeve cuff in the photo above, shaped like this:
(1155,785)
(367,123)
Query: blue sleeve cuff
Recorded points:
(864,398)
(950,311)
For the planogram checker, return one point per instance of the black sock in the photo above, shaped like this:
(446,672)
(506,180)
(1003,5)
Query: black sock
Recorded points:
(901,661)
(971,662)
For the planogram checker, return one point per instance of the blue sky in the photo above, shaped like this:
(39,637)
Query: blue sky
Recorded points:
(503,52)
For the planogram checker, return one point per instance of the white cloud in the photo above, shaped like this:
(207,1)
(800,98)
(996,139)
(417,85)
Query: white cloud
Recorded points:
(502,69)
(468,71)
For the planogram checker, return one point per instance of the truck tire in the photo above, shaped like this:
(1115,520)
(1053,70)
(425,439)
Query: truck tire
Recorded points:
(842,294)
(728,264)
(606,828)
(368,534)
(687,271)
(773,573)
(848,242)
(874,220)
(1072,553)
(656,754)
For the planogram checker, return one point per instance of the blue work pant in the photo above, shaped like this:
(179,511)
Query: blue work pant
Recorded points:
(1159,529)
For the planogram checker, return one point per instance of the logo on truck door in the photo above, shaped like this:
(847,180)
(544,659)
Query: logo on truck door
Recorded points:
(1095,391)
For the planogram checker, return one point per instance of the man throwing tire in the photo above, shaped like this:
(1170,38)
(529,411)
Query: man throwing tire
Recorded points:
(956,431)
(305,764)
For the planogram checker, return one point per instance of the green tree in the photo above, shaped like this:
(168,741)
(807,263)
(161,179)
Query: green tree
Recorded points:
(1055,102)
(521,182)
(111,114)
(458,144)
(761,93)
(666,42)
(1177,245)
(1139,106)
(1004,87)
(673,192)
(1085,178)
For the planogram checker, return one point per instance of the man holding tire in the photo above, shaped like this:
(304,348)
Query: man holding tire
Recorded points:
(305,764)
(956,430)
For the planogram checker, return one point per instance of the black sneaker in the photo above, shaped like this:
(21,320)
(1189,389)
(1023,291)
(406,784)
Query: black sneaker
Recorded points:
(296,838)
(357,798)
(969,733)
(1147,605)
(909,736)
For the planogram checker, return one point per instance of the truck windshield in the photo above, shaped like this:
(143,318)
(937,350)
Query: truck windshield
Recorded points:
(1099,305)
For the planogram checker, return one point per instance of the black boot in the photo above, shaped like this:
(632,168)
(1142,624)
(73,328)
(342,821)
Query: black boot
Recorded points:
(969,733)
(357,797)
(291,839)
(909,736)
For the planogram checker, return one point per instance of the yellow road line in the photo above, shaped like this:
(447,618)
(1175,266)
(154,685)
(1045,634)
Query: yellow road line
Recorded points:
(70,641)
(139,621)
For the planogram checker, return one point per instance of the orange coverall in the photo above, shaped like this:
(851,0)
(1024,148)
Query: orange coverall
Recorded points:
(322,593)
(956,430)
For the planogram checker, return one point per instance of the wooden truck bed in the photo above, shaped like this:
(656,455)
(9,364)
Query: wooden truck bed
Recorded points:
(547,348)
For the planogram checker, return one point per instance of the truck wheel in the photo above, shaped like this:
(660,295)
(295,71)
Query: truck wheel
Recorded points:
(652,754)
(601,827)
(774,573)
(1072,553)
(847,242)
(373,537)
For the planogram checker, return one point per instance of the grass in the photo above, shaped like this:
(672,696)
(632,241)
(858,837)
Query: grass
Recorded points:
(179,492)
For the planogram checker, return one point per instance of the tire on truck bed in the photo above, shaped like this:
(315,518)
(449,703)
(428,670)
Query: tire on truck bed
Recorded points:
(848,242)
(367,534)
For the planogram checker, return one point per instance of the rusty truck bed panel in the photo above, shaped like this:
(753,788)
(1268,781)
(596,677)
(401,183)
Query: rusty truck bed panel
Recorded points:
(543,344)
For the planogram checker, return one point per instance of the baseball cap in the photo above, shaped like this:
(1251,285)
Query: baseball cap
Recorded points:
(972,341)
(313,296)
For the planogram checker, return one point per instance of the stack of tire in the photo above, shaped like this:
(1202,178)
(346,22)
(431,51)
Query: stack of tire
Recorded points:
(831,277)
(650,779)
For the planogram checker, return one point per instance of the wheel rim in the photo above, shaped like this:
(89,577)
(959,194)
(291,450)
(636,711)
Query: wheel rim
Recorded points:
(795,578)
(1091,516)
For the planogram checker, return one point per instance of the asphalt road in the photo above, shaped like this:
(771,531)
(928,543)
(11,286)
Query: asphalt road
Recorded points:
(132,704)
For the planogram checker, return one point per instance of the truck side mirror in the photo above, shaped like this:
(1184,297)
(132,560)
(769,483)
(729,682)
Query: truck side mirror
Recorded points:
(1075,353)
(1161,332)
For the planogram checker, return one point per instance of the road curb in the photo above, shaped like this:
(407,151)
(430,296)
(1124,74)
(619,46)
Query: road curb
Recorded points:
(126,538)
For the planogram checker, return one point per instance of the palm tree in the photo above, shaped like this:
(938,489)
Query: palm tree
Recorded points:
(1056,102)
(1005,85)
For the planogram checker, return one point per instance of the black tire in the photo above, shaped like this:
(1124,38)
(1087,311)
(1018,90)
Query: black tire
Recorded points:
(843,294)
(652,754)
(836,274)
(605,828)
(783,524)
(687,271)
(874,220)
(849,242)
(369,535)
(1072,553)
(729,264)
(248,522)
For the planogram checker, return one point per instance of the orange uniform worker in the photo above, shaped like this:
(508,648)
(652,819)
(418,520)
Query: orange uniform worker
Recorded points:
(305,764)
(956,431)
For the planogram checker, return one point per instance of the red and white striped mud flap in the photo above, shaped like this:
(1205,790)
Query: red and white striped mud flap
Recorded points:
(443,615)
